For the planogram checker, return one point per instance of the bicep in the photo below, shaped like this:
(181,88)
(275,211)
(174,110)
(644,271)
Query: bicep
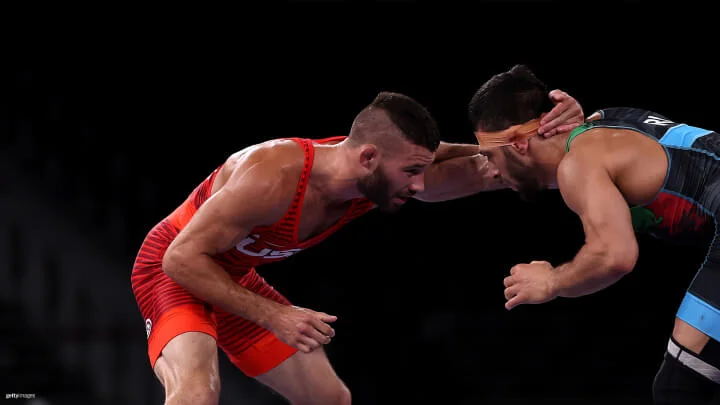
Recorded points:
(247,200)
(217,225)
(605,214)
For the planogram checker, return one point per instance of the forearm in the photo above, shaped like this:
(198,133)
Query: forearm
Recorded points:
(590,271)
(205,279)
(457,178)
(454,150)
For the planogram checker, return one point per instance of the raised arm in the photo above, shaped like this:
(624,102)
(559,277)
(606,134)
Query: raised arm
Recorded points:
(256,193)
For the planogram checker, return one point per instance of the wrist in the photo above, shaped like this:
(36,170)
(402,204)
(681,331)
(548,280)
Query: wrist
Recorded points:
(268,314)
(553,283)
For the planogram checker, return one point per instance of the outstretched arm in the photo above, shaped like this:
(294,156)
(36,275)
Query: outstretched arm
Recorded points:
(461,170)
(447,151)
(460,177)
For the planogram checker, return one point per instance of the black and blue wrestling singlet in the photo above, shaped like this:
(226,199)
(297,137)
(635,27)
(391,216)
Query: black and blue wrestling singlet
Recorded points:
(688,204)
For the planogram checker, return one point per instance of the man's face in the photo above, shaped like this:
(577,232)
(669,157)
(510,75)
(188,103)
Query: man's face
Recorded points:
(397,177)
(518,171)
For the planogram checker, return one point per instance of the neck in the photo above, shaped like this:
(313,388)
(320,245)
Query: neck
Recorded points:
(334,178)
(548,154)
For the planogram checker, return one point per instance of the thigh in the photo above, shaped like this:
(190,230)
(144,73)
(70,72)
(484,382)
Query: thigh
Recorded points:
(700,308)
(167,309)
(250,347)
(189,365)
(307,378)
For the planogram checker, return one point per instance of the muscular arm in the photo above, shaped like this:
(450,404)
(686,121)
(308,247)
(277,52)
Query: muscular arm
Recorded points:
(610,250)
(448,151)
(253,195)
(459,177)
(460,170)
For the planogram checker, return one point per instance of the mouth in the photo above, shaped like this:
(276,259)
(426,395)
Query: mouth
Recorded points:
(401,200)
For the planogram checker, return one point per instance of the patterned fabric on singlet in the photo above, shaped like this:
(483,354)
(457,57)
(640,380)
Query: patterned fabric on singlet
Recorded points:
(686,207)
(276,242)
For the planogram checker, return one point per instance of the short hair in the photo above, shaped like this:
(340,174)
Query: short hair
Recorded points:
(410,117)
(509,98)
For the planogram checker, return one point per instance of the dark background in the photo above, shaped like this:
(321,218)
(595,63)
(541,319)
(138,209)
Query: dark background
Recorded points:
(104,131)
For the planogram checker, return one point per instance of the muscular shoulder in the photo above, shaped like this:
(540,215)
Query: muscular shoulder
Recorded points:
(280,156)
(586,156)
(265,174)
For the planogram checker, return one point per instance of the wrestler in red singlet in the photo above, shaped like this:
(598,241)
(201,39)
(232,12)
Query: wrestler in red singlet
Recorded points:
(169,310)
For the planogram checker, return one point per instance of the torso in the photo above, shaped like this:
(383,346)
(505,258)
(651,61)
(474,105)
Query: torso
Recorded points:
(307,221)
(662,168)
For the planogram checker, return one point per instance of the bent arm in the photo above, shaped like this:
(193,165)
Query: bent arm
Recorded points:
(248,199)
(610,250)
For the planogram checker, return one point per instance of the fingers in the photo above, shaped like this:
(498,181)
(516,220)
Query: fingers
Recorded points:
(303,347)
(322,327)
(311,331)
(508,281)
(325,317)
(310,343)
(594,116)
(566,111)
(514,301)
(559,98)
(511,292)
(566,116)
(558,95)
(564,128)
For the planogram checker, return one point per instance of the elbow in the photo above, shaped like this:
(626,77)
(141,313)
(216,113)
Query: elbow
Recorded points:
(622,260)
(171,262)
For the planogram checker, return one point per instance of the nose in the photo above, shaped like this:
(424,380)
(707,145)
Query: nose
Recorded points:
(418,184)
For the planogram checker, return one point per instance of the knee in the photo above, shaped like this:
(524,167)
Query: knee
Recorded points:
(193,388)
(196,392)
(678,383)
(338,394)
(343,396)
(661,391)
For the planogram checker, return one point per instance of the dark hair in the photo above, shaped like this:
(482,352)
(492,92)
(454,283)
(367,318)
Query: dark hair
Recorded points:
(414,121)
(507,99)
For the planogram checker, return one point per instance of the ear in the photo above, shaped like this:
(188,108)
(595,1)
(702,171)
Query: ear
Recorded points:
(521,145)
(369,157)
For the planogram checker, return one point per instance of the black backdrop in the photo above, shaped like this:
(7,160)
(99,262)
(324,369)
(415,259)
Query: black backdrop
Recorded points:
(418,293)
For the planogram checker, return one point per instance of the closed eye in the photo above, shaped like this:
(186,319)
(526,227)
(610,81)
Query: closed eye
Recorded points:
(414,170)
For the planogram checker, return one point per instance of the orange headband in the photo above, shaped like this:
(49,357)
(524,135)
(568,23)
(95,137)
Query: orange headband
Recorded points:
(508,136)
